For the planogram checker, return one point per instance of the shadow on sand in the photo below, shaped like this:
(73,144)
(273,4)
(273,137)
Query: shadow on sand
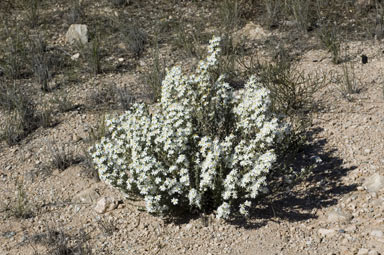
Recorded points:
(300,201)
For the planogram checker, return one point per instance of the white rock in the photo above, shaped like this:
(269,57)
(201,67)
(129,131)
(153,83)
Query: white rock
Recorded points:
(373,252)
(250,32)
(374,183)
(86,196)
(76,56)
(338,215)
(377,233)
(363,251)
(188,226)
(326,232)
(105,204)
(351,228)
(77,33)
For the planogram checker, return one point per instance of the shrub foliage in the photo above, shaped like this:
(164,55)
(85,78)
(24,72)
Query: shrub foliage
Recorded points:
(205,147)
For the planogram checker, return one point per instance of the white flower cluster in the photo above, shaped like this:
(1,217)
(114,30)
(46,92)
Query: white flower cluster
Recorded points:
(205,147)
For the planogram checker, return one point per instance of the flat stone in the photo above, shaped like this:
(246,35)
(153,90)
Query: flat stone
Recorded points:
(105,204)
(377,233)
(374,183)
(9,234)
(75,56)
(351,228)
(88,196)
(77,33)
(326,232)
(250,32)
(363,251)
(338,215)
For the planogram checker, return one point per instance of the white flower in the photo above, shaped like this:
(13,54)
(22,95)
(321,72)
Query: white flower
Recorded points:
(223,211)
(202,140)
(174,201)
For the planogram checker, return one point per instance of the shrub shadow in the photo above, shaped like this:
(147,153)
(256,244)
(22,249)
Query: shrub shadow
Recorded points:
(301,200)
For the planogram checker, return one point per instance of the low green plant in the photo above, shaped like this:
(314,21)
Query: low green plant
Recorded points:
(95,56)
(382,89)
(99,131)
(20,207)
(206,147)
(101,96)
(62,101)
(88,166)
(302,12)
(273,10)
(22,117)
(45,116)
(124,97)
(40,61)
(229,14)
(91,53)
(75,12)
(135,38)
(118,3)
(106,226)
(10,97)
(329,38)
(188,39)
(59,243)
(12,131)
(156,74)
(349,84)
(13,53)
(291,89)
(32,8)
(62,157)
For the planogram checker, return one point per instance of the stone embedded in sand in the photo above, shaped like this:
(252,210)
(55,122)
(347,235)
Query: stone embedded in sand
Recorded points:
(363,251)
(377,233)
(88,196)
(326,232)
(250,32)
(338,215)
(105,204)
(374,183)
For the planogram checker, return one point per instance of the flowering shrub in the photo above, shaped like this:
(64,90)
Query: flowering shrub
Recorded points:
(206,148)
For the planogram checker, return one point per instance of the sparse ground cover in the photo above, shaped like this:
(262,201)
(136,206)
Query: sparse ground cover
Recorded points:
(55,96)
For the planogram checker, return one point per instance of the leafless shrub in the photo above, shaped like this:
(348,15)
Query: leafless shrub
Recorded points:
(60,243)
(62,157)
(40,61)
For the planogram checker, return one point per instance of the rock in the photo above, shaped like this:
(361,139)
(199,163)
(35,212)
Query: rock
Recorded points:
(374,183)
(338,215)
(250,32)
(105,204)
(351,228)
(77,33)
(188,226)
(377,233)
(88,196)
(9,234)
(373,252)
(75,138)
(76,56)
(363,251)
(122,46)
(326,232)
